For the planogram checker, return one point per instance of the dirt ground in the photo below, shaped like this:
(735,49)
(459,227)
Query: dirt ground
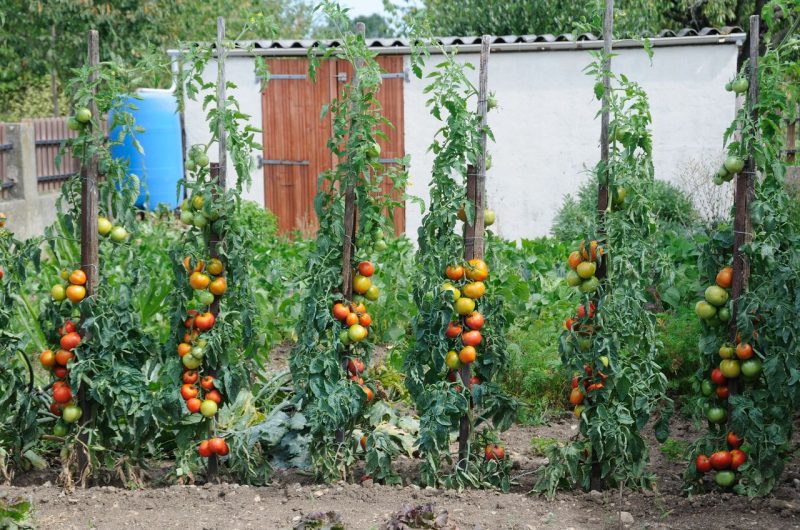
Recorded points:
(293,496)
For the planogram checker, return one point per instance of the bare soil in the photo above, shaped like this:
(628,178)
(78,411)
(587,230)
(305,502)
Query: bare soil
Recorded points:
(293,496)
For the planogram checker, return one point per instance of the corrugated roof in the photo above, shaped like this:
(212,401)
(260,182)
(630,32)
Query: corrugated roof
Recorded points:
(724,35)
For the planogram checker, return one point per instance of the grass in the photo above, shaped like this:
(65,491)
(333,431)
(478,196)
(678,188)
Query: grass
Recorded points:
(540,445)
(674,450)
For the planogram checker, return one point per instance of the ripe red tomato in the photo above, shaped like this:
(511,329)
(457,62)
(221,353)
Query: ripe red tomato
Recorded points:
(340,311)
(582,310)
(494,452)
(703,464)
(355,366)
(734,441)
(207,382)
(453,330)
(717,378)
(723,392)
(60,372)
(193,404)
(68,327)
(205,321)
(70,341)
(474,320)
(55,408)
(575,381)
(471,338)
(365,268)
(190,377)
(738,457)
(223,451)
(215,445)
(203,450)
(62,394)
(365,320)
(569,323)
(214,396)
(189,391)
(721,460)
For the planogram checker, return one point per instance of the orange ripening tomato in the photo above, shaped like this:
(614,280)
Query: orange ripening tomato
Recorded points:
(574,259)
(199,281)
(184,349)
(193,404)
(78,277)
(351,320)
(366,268)
(471,338)
(468,354)
(70,341)
(477,270)
(365,320)
(474,290)
(63,357)
(474,320)
(218,286)
(744,351)
(725,277)
(48,359)
(203,450)
(215,267)
(454,272)
(76,293)
(576,396)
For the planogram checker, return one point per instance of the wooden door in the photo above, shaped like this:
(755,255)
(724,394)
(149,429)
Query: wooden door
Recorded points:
(295,150)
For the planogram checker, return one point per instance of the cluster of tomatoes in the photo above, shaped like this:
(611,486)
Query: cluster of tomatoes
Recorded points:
(57,363)
(75,289)
(713,309)
(196,211)
(583,265)
(209,283)
(725,463)
(115,233)
(467,285)
(356,320)
(213,446)
(582,387)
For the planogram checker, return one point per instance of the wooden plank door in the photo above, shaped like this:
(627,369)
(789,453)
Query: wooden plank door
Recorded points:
(295,150)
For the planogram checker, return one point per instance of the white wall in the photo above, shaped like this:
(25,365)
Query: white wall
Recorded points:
(547,134)
(241,71)
(545,127)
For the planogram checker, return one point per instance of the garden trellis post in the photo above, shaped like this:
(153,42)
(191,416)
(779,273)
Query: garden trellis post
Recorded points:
(474,233)
(596,481)
(743,196)
(89,241)
(350,214)
(218,175)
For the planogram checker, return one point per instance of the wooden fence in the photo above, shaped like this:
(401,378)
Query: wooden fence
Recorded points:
(49,134)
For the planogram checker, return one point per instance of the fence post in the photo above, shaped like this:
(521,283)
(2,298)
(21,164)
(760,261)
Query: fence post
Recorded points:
(21,161)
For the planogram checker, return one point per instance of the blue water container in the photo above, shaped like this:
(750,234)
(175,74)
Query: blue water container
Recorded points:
(160,167)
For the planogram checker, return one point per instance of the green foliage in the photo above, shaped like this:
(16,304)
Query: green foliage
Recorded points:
(16,513)
(333,403)
(674,450)
(536,17)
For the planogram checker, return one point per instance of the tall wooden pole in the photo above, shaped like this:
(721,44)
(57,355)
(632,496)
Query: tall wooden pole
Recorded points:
(596,477)
(742,198)
(89,242)
(218,175)
(350,213)
(474,234)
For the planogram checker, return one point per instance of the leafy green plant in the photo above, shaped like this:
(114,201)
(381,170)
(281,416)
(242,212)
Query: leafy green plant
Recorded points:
(334,403)
(609,349)
(763,405)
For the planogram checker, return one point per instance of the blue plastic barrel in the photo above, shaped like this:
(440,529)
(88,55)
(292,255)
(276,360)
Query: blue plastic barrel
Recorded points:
(160,167)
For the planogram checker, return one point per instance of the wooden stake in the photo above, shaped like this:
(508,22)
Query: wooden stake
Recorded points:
(350,213)
(89,245)
(474,234)
(742,198)
(222,138)
(596,481)
(218,173)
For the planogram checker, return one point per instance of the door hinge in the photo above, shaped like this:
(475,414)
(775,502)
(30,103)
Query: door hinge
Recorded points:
(267,162)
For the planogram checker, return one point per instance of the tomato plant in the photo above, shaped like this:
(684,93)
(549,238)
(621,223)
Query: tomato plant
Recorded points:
(460,321)
(611,343)
(753,352)
(334,401)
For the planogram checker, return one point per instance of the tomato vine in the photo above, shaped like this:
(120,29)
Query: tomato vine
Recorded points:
(751,447)
(335,401)
(454,329)
(611,343)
